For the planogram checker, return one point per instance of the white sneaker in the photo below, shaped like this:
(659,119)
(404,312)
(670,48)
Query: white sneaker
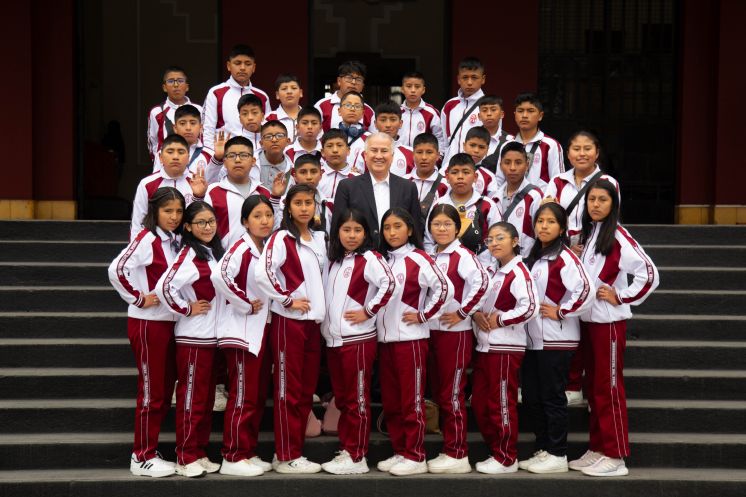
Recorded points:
(244,467)
(209,466)
(447,464)
(298,466)
(491,467)
(221,398)
(154,467)
(607,466)
(574,398)
(539,455)
(342,464)
(588,459)
(257,461)
(275,462)
(550,464)
(387,464)
(191,470)
(407,467)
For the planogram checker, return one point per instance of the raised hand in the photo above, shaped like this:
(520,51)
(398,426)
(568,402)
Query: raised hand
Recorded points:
(199,183)
(220,138)
(279,184)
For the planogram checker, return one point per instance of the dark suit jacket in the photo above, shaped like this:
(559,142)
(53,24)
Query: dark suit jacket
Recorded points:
(357,193)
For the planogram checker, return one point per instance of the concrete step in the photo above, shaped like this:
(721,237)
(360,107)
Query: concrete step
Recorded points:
(651,234)
(684,384)
(112,450)
(60,251)
(61,298)
(95,415)
(118,482)
(728,255)
(63,324)
(65,230)
(670,326)
(697,278)
(54,273)
(667,354)
(728,302)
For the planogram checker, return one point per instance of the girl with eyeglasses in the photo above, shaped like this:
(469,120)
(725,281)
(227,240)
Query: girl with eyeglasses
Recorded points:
(403,331)
(451,337)
(290,274)
(150,325)
(188,292)
(511,302)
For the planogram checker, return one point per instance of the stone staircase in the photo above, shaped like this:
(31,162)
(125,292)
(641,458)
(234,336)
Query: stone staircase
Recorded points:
(67,382)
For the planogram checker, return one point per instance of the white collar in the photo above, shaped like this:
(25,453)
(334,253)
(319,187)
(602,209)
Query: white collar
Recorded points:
(510,265)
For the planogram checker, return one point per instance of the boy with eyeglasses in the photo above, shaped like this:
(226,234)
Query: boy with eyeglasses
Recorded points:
(161,117)
(273,164)
(350,77)
(227,197)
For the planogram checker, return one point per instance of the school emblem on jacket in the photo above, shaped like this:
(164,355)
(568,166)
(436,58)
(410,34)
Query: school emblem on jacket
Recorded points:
(400,163)
(444,267)
(537,274)
(347,272)
(592,259)
(519,211)
(472,119)
(497,285)
(420,126)
(400,278)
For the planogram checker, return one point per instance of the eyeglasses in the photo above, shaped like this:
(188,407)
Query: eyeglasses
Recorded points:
(234,155)
(273,137)
(202,223)
(447,225)
(493,239)
(176,81)
(353,79)
(352,106)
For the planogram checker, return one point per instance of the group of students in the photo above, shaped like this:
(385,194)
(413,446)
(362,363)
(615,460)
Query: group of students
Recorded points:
(510,267)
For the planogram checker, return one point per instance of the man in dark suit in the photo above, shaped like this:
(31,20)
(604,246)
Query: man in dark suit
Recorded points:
(376,191)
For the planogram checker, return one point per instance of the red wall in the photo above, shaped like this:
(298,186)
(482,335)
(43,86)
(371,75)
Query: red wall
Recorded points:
(276,51)
(473,34)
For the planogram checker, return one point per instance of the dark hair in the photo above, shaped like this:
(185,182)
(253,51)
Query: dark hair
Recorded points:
(309,111)
(478,132)
(415,238)
(352,93)
(251,202)
(530,98)
(336,250)
(287,221)
(174,138)
(275,123)
(461,159)
(470,64)
(238,140)
(351,67)
(388,108)
(425,139)
(331,134)
(592,137)
(512,231)
(241,49)
(161,197)
(188,238)
(187,110)
(250,100)
(513,147)
(286,78)
(554,248)
(304,159)
(449,211)
(490,100)
(174,69)
(413,75)
(607,232)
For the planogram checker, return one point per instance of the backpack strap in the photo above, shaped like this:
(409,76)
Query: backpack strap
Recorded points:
(517,198)
(461,122)
(427,202)
(582,191)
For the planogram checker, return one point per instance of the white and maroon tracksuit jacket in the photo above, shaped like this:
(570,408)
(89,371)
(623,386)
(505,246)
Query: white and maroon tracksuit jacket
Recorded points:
(626,258)
(421,287)
(563,188)
(295,150)
(470,281)
(358,281)
(147,187)
(563,281)
(423,119)
(513,294)
(241,325)
(188,280)
(495,141)
(157,128)
(401,165)
(330,179)
(323,213)
(279,114)
(425,185)
(548,160)
(290,269)
(221,109)
(227,201)
(330,118)
(522,217)
(451,114)
(136,270)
